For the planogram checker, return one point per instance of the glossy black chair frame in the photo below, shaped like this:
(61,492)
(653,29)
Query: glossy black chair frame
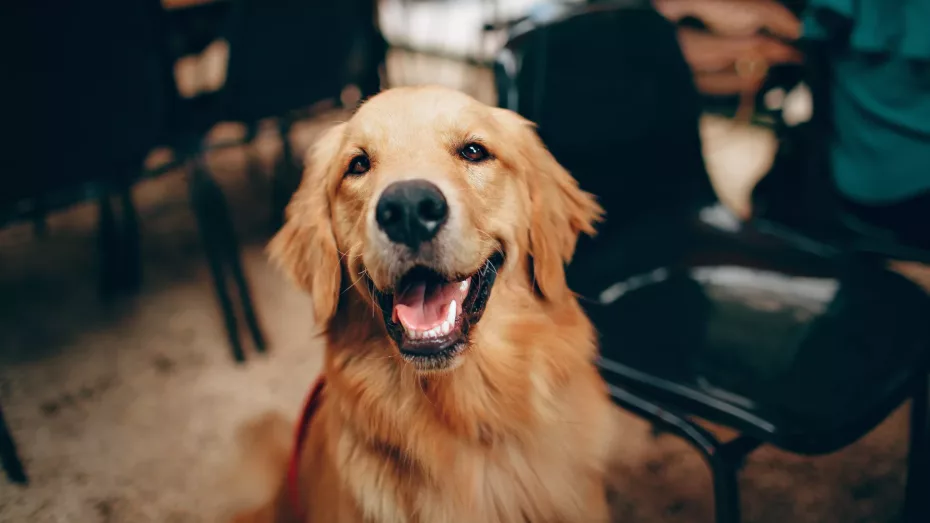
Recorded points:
(655,227)
(726,458)
(673,406)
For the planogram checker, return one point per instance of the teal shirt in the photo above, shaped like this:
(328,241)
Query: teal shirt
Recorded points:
(881,96)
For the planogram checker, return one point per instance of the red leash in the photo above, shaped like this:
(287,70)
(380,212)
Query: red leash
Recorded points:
(293,470)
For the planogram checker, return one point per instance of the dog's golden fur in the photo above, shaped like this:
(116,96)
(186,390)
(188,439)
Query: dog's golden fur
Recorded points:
(519,430)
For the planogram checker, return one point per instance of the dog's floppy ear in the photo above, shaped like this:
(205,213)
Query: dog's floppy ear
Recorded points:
(559,209)
(306,247)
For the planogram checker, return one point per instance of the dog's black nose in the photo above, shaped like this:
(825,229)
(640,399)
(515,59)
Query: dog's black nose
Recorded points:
(411,212)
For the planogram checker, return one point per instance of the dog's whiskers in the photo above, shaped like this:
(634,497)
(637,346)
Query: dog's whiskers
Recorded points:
(371,358)
(375,304)
(489,240)
(360,276)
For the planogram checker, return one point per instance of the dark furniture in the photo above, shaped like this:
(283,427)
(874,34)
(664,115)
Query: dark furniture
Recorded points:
(87,107)
(792,341)
(284,56)
(97,95)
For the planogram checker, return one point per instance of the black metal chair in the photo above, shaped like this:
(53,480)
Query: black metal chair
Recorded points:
(96,94)
(89,113)
(284,56)
(791,341)
(87,107)
(277,67)
(798,194)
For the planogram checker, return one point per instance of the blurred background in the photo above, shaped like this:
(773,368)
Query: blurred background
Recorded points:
(154,145)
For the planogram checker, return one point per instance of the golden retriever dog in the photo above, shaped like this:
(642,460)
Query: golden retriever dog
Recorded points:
(432,232)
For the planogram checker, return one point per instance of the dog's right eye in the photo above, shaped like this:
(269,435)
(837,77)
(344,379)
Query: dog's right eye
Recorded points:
(474,152)
(359,165)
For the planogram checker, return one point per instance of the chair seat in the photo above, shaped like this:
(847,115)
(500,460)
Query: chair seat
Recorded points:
(778,337)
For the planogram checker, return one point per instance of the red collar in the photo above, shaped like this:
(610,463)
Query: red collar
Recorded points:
(293,470)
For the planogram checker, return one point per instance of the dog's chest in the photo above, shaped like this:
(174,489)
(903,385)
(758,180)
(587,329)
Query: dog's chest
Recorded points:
(506,484)
(515,485)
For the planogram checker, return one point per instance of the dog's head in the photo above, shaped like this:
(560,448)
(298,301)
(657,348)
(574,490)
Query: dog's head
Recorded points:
(420,203)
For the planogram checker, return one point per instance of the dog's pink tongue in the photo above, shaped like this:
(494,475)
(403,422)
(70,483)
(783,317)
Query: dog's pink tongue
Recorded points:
(421,306)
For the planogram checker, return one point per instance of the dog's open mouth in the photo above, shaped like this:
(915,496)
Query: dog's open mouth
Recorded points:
(429,316)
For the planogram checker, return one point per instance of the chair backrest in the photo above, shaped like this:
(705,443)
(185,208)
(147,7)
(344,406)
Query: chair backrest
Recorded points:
(798,190)
(90,91)
(289,54)
(615,102)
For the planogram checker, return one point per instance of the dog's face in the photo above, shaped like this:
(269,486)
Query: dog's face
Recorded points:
(420,204)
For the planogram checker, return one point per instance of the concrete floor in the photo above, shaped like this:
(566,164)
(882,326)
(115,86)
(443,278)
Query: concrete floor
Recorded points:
(124,411)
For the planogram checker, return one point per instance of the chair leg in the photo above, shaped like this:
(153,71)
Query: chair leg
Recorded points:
(724,459)
(118,244)
(209,206)
(916,502)
(107,246)
(285,179)
(725,464)
(9,456)
(230,246)
(726,493)
(245,297)
(131,245)
(253,163)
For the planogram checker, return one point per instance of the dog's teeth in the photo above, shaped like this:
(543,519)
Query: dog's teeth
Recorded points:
(453,311)
(442,329)
(464,285)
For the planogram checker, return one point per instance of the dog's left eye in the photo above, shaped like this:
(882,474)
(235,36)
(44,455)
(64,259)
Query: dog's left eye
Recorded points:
(474,152)
(359,165)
